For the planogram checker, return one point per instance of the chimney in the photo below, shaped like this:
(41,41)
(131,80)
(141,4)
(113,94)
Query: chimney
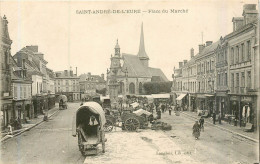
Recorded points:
(180,64)
(191,53)
(102,76)
(238,22)
(33,48)
(250,13)
(40,55)
(201,47)
(71,73)
(185,62)
(66,72)
(208,43)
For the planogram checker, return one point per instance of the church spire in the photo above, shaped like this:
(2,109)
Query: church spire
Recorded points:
(142,54)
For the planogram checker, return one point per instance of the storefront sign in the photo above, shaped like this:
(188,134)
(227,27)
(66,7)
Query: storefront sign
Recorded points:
(234,98)
(221,94)
(201,96)
(246,99)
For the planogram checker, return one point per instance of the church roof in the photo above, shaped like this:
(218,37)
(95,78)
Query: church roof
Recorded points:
(141,52)
(135,68)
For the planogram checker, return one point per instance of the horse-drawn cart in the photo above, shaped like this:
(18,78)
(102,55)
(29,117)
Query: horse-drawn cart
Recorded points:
(62,99)
(88,125)
(130,121)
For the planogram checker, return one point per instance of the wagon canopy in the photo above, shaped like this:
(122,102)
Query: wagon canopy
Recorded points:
(135,104)
(85,111)
(140,112)
(63,97)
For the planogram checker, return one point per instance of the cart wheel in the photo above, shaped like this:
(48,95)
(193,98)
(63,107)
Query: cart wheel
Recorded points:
(81,147)
(131,124)
(108,127)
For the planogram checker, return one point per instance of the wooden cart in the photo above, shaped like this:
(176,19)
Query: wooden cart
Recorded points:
(129,121)
(88,125)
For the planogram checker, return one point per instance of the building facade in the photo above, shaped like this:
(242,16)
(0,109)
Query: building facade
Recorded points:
(90,84)
(22,93)
(227,77)
(243,69)
(5,86)
(67,83)
(43,97)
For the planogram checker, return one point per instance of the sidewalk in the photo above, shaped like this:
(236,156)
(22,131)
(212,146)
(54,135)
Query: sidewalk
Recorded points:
(33,122)
(225,126)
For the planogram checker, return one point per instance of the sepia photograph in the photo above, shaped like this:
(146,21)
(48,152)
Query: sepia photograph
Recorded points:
(129,82)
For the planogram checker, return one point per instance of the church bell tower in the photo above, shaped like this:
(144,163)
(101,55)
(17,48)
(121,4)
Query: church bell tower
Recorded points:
(113,84)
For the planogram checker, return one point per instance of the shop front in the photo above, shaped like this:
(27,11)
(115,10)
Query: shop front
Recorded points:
(243,107)
(6,113)
(248,109)
(193,105)
(222,105)
(205,102)
(183,101)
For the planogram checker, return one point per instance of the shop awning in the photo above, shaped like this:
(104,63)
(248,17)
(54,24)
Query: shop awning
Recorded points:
(209,95)
(181,97)
(161,96)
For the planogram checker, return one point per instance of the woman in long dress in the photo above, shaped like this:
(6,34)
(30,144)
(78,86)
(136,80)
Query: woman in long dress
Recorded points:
(196,130)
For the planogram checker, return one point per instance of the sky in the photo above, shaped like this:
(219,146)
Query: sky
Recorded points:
(86,41)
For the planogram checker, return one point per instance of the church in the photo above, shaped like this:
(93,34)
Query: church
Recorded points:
(128,72)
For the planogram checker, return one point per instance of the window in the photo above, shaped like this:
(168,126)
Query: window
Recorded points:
(237,79)
(242,52)
(225,55)
(25,91)
(237,56)
(67,82)
(15,91)
(232,56)
(67,89)
(225,82)
(21,92)
(219,79)
(249,50)
(243,79)
(249,79)
(132,88)
(232,80)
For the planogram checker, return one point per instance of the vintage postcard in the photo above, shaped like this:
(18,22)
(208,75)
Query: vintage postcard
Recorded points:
(129,82)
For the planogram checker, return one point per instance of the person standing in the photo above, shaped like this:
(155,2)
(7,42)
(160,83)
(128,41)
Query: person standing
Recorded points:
(170,110)
(214,118)
(219,118)
(163,107)
(196,130)
(201,121)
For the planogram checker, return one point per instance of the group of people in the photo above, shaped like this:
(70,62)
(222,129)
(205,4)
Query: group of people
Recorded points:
(198,127)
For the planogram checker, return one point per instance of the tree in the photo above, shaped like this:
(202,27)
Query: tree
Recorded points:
(157,87)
